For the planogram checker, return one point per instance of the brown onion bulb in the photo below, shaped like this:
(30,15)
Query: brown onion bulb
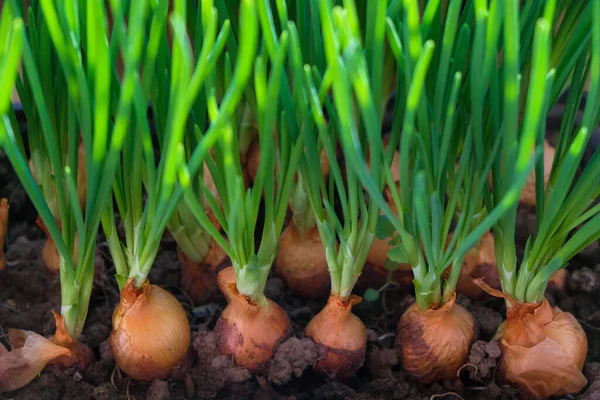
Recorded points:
(543,350)
(151,332)
(341,338)
(199,280)
(3,228)
(301,262)
(246,331)
(433,344)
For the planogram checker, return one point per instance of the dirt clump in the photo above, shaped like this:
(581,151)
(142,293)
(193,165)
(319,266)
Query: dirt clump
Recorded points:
(291,358)
(214,372)
(483,359)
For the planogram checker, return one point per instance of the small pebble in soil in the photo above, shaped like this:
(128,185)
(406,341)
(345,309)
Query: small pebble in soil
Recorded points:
(291,357)
(584,280)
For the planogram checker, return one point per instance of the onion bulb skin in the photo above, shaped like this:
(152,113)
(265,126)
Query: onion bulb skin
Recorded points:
(341,338)
(543,350)
(433,344)
(302,264)
(3,228)
(246,331)
(32,352)
(151,333)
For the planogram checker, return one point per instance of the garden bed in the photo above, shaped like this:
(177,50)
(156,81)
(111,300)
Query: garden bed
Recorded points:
(28,293)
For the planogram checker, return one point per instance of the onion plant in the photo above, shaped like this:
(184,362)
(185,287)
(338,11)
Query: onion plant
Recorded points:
(145,189)
(65,88)
(251,325)
(444,156)
(565,53)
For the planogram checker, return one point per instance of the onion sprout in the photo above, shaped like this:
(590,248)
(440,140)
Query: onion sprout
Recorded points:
(566,52)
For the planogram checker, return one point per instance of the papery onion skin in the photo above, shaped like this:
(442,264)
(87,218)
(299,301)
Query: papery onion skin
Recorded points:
(341,338)
(151,333)
(32,352)
(433,344)
(302,264)
(543,350)
(246,331)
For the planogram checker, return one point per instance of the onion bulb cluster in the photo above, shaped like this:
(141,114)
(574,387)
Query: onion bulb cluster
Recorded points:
(151,332)
(341,338)
(301,262)
(433,344)
(543,350)
(246,331)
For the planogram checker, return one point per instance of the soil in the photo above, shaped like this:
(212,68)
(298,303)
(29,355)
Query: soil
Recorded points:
(28,293)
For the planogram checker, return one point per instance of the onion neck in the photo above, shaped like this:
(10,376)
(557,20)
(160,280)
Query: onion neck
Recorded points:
(250,282)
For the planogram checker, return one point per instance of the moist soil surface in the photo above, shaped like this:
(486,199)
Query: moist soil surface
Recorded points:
(28,293)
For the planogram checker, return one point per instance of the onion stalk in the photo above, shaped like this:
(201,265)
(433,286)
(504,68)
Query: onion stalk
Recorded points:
(434,129)
(543,348)
(50,59)
(151,333)
(251,326)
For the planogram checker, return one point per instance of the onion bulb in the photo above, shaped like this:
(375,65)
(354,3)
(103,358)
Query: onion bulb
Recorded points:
(543,350)
(32,352)
(247,331)
(151,332)
(301,262)
(341,338)
(3,228)
(433,344)
(199,279)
